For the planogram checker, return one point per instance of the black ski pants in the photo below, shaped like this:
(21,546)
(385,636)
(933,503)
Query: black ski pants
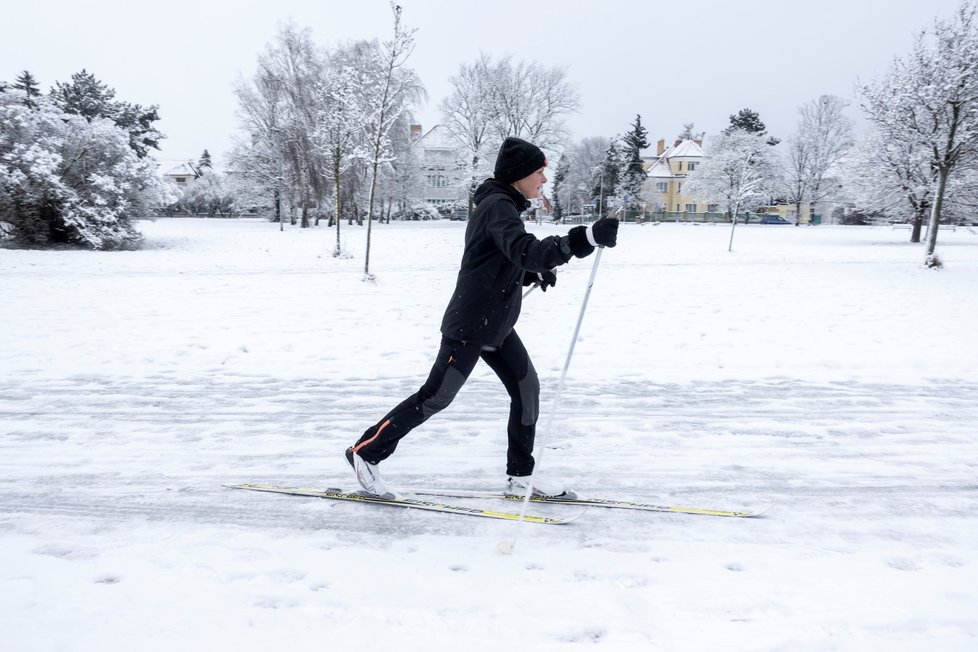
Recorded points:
(451,369)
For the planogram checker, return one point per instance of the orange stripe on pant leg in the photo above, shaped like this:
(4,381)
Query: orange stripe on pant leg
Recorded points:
(357,448)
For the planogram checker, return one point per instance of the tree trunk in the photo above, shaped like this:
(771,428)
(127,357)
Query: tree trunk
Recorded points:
(935,217)
(733,225)
(336,190)
(917,225)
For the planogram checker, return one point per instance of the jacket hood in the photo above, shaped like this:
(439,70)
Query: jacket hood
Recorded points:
(491,187)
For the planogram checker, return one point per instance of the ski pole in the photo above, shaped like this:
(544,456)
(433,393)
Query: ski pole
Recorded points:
(507,547)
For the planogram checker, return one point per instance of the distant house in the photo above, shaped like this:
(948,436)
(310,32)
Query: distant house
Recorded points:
(440,153)
(666,173)
(180,172)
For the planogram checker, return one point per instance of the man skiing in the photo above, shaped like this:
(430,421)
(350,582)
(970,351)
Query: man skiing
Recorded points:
(499,258)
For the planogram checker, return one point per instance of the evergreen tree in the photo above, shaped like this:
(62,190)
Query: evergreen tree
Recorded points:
(90,98)
(27,84)
(608,177)
(137,121)
(560,174)
(749,121)
(633,173)
(688,132)
(205,161)
(85,96)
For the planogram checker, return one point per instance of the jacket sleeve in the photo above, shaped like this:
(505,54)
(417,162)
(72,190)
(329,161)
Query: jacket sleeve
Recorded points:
(521,248)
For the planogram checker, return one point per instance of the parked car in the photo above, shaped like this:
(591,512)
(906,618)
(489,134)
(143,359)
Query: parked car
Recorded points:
(459,215)
(773,219)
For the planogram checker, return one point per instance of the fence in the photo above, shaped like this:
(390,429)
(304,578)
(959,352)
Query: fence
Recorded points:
(662,216)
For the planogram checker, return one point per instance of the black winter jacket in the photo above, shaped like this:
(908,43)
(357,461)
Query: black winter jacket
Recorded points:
(498,252)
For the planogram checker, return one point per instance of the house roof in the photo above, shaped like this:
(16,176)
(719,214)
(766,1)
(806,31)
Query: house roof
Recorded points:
(660,169)
(687,148)
(438,137)
(178,169)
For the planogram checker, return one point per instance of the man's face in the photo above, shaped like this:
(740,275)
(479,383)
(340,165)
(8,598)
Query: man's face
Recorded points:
(529,186)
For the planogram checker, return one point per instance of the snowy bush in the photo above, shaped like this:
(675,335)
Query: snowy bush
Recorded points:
(65,179)
(419,211)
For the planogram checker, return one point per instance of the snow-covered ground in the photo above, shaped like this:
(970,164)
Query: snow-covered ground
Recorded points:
(820,370)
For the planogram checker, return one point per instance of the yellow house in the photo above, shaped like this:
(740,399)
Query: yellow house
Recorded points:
(666,174)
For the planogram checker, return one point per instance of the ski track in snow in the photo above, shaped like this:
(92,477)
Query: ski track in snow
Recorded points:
(852,450)
(121,419)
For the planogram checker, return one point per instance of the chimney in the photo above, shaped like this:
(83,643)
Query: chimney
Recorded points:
(660,147)
(415,131)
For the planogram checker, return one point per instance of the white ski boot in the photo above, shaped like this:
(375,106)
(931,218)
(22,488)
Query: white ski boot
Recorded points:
(368,475)
(542,486)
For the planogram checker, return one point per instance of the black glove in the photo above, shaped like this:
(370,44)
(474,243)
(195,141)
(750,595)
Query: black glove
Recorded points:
(544,279)
(547,279)
(581,240)
(604,232)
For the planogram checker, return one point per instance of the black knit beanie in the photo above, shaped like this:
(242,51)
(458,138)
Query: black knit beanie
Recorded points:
(517,159)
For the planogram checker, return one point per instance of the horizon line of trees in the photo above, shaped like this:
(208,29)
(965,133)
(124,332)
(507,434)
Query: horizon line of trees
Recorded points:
(326,133)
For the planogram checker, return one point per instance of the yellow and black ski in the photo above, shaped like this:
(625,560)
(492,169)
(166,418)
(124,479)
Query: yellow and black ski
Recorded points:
(594,502)
(411,503)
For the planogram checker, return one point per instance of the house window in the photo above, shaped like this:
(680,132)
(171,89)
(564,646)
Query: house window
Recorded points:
(690,208)
(438,181)
(691,166)
(679,187)
(662,186)
(713,208)
(680,166)
(678,209)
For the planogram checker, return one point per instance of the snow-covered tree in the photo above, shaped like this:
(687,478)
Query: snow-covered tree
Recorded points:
(390,92)
(212,194)
(737,173)
(466,115)
(492,99)
(633,174)
(889,177)
(689,132)
(815,150)
(405,180)
(90,98)
(205,162)
(68,179)
(341,117)
(27,84)
(528,100)
(606,179)
(560,176)
(583,158)
(930,98)
(749,120)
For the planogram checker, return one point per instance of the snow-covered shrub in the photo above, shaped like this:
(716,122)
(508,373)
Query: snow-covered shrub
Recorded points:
(65,179)
(419,211)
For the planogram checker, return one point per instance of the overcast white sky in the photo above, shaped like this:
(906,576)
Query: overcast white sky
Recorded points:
(672,62)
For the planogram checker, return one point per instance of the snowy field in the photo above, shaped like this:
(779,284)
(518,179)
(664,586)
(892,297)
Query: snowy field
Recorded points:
(820,370)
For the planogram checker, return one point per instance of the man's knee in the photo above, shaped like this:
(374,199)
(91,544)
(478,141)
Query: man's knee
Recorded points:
(530,397)
(445,394)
